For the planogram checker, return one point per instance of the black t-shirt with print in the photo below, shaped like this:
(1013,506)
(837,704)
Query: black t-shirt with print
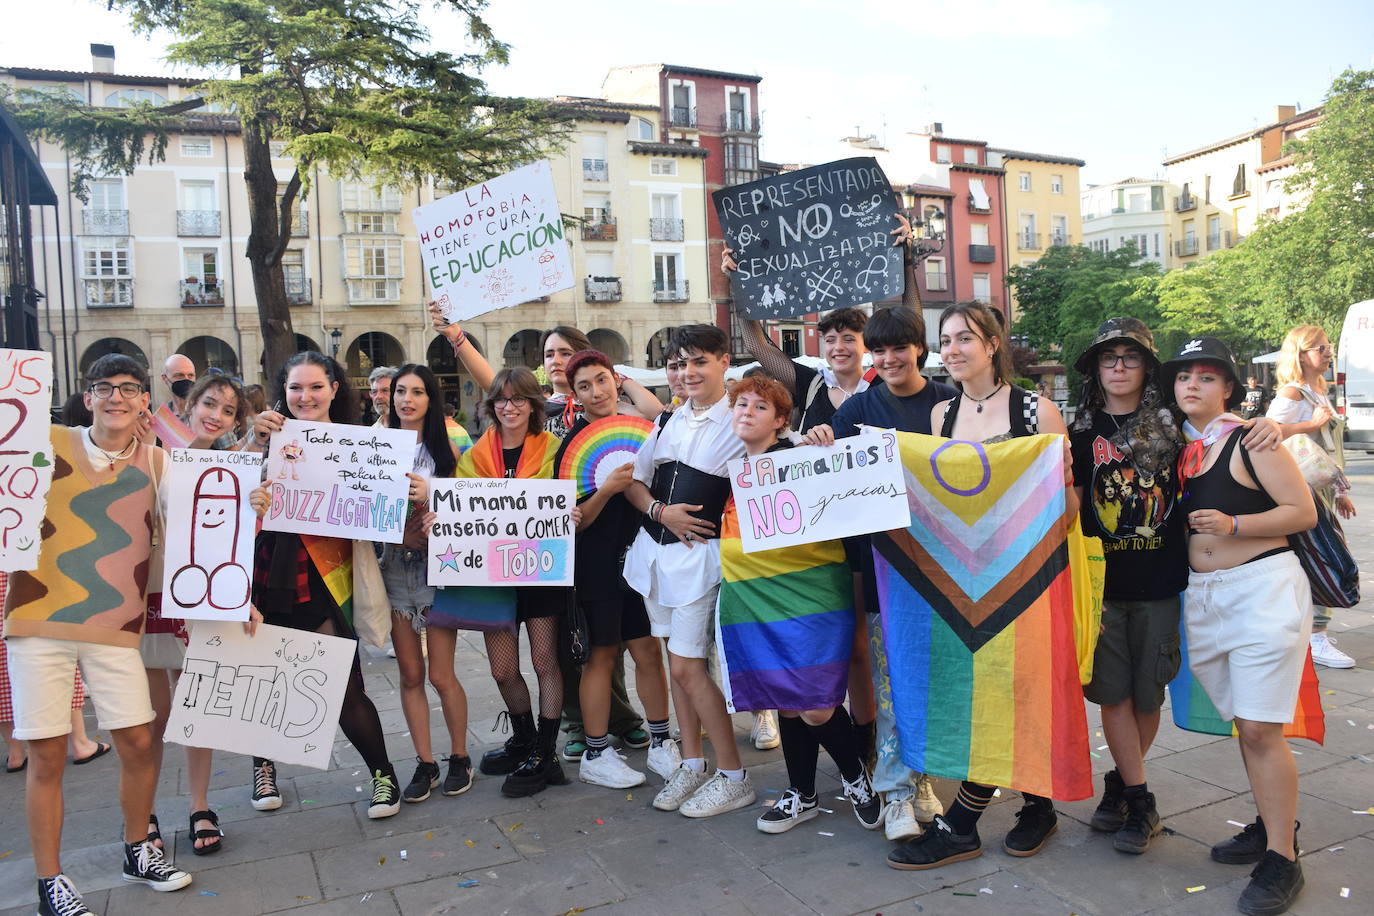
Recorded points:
(511,458)
(1135,516)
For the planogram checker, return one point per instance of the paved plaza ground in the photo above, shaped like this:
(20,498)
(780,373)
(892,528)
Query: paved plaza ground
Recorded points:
(583,848)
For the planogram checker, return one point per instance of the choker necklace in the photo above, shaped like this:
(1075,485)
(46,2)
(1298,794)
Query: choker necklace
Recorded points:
(979,401)
(113,457)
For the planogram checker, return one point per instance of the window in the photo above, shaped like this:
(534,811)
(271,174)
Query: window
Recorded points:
(197,147)
(106,213)
(358,195)
(277,148)
(1238,184)
(669,283)
(791,342)
(373,268)
(594,157)
(936,278)
(737,113)
(365,222)
(662,166)
(1207,189)
(971,155)
(198,195)
(107,194)
(683,108)
(293,272)
(107,273)
(127,98)
(596,207)
(743,156)
(942,153)
(1156,197)
(201,265)
(644,129)
(1028,234)
(978,195)
(1023,181)
(1059,229)
(982,287)
(978,233)
(1136,203)
(1056,184)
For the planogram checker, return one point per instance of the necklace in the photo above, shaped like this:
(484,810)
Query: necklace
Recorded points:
(1115,421)
(113,457)
(979,401)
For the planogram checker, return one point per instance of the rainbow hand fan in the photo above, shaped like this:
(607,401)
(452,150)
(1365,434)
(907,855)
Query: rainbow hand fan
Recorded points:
(600,448)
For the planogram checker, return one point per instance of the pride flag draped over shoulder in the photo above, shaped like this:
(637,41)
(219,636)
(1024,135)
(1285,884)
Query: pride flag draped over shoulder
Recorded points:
(978,614)
(785,623)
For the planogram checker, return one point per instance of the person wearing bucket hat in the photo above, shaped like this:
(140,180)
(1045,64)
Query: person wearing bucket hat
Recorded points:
(1248,606)
(1124,443)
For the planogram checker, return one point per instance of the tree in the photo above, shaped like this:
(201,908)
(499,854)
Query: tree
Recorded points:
(346,86)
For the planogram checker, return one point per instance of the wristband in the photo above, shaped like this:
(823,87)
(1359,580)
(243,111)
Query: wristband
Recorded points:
(1235,525)
(462,339)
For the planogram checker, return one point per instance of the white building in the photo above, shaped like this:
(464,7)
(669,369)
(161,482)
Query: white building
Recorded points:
(1131,210)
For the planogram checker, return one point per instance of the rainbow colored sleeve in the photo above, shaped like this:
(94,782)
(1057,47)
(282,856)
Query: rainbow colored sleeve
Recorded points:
(785,623)
(978,617)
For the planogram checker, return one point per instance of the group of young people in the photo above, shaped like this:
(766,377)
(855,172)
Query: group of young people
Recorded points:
(1194,509)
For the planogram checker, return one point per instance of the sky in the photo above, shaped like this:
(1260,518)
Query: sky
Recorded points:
(1119,85)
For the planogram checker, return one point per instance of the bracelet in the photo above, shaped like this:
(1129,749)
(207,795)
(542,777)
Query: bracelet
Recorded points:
(462,339)
(1235,525)
(653,507)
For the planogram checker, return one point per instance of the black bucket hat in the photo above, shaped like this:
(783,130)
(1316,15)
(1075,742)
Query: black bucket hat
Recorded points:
(1118,330)
(1204,349)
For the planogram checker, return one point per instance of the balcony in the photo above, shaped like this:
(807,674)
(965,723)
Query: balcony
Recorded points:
(669,292)
(1185,202)
(937,282)
(682,117)
(1185,247)
(1058,240)
(1028,241)
(665,229)
(298,290)
(594,170)
(373,291)
(603,231)
(1218,240)
(198,293)
(974,206)
(110,293)
(105,222)
(741,176)
(982,254)
(198,223)
(601,289)
(300,223)
(738,122)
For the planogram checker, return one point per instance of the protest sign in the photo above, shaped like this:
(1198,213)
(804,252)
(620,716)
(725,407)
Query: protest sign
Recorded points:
(812,240)
(25,455)
(496,244)
(494,531)
(207,571)
(339,481)
(816,493)
(275,695)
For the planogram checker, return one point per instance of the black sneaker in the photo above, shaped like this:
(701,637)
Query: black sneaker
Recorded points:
(1248,846)
(1274,884)
(143,864)
(1035,823)
(1142,825)
(868,805)
(1111,811)
(459,778)
(266,795)
(426,777)
(936,846)
(508,757)
(57,897)
(386,797)
(787,812)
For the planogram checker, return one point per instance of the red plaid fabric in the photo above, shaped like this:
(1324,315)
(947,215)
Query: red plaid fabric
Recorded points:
(6,699)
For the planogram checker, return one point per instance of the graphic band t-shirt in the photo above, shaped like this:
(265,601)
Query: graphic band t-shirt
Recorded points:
(511,458)
(1133,513)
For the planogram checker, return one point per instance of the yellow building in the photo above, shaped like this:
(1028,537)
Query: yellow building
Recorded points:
(1040,197)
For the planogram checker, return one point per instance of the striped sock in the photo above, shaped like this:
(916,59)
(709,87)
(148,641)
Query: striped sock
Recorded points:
(968,806)
(595,745)
(658,732)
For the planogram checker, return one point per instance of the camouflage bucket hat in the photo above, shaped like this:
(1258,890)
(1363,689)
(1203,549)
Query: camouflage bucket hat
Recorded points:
(1118,330)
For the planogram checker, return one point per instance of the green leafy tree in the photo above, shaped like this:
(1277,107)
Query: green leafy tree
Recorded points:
(346,84)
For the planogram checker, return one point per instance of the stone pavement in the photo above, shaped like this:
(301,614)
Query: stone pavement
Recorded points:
(582,848)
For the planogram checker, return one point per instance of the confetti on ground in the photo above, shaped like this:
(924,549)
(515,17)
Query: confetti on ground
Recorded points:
(825,833)
(1236,824)
(209,893)
(1350,722)
(357,788)
(356,772)
(598,820)
(430,835)
(381,860)
(1365,811)
(1362,758)
(365,897)
(1095,755)
(470,843)
(6,854)
(518,824)
(468,883)
(963,894)
(985,890)
(996,792)
(1194,890)
(403,855)
(826,810)
(309,801)
(220,773)
(1102,747)
(303,897)
(1345,892)
(629,796)
(574,911)
(1328,692)
(1335,849)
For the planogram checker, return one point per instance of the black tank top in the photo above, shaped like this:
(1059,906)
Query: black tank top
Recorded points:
(1021,410)
(1217,489)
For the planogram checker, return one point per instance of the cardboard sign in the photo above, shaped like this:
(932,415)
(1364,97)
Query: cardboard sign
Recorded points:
(813,493)
(276,694)
(207,571)
(493,531)
(496,244)
(25,455)
(339,481)
(812,240)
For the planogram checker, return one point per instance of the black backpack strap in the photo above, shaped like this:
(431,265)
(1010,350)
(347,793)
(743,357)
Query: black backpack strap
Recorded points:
(951,415)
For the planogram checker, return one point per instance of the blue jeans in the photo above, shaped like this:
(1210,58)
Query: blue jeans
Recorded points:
(891,778)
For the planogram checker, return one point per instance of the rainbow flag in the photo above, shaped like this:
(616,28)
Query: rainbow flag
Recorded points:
(1193,709)
(457,436)
(978,617)
(784,623)
(333,559)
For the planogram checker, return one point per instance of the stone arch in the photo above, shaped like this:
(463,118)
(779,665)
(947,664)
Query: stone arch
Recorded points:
(611,343)
(522,349)
(370,350)
(209,352)
(655,352)
(107,345)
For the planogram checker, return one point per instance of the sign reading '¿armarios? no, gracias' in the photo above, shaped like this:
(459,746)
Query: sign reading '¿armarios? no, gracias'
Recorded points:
(813,240)
(496,244)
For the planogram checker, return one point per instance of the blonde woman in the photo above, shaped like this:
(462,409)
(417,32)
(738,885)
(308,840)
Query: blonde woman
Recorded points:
(1301,406)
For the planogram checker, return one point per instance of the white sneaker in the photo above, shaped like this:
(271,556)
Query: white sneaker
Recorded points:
(718,795)
(664,758)
(899,819)
(787,812)
(680,787)
(609,769)
(1325,653)
(764,733)
(927,805)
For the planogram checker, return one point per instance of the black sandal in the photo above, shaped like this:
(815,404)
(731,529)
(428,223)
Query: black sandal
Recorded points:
(215,834)
(155,835)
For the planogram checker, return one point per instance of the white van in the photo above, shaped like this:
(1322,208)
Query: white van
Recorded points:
(1355,375)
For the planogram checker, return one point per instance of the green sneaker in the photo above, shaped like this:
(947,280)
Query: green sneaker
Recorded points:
(636,738)
(574,749)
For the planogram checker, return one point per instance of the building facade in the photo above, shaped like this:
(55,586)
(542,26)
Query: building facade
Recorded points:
(23,186)
(1042,208)
(1131,210)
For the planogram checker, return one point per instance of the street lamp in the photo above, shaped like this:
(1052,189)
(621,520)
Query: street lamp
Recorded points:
(334,337)
(932,240)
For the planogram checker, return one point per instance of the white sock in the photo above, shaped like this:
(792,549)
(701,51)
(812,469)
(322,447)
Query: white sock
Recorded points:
(732,775)
(695,763)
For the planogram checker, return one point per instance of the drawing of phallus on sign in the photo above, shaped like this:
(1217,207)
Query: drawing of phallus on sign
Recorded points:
(217,578)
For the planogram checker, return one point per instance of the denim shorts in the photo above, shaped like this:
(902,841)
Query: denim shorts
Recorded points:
(404,573)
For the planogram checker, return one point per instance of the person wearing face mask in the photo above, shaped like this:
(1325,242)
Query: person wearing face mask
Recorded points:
(178,374)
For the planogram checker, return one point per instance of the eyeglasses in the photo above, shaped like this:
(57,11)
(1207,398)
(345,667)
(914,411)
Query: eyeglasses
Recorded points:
(1130,360)
(500,403)
(103,390)
(1326,350)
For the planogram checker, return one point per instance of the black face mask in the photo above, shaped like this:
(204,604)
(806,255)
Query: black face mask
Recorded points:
(181,387)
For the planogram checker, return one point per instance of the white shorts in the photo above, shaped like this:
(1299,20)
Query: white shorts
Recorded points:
(689,628)
(1248,630)
(41,681)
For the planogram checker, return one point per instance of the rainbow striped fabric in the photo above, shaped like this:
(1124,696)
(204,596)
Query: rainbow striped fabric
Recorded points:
(785,623)
(978,617)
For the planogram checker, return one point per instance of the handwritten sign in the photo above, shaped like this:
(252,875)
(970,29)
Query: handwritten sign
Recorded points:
(812,240)
(501,532)
(207,573)
(276,694)
(813,493)
(339,481)
(496,244)
(25,454)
